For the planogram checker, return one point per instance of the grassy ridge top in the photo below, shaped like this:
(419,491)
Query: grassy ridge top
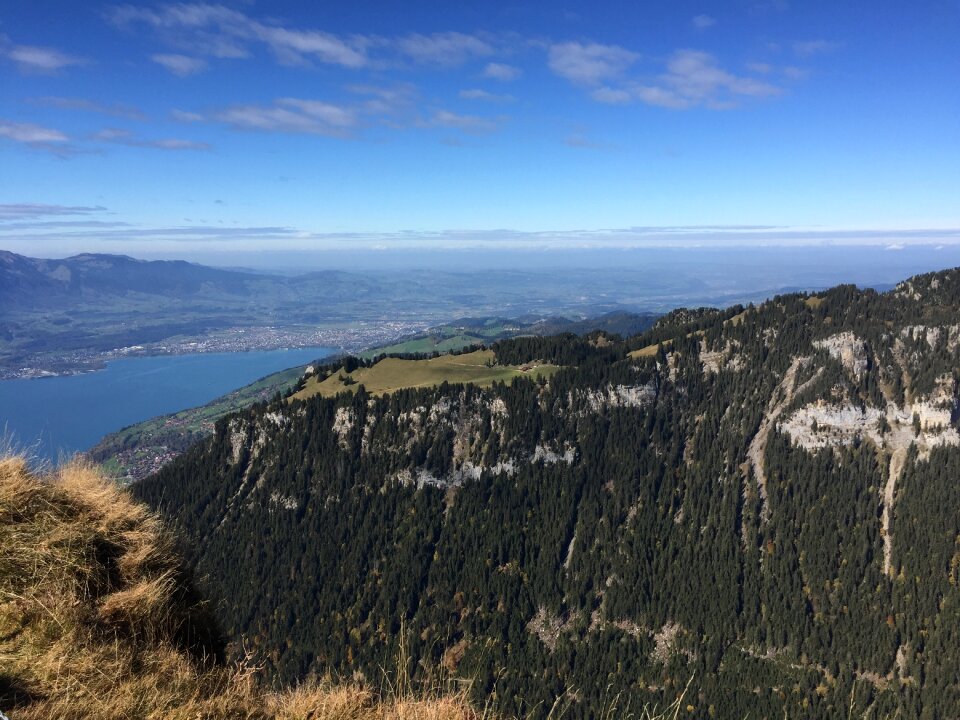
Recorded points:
(98,620)
(391,374)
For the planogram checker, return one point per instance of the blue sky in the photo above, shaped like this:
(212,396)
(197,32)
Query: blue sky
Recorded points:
(186,128)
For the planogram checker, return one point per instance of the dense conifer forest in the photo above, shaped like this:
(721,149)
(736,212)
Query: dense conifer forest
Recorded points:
(758,504)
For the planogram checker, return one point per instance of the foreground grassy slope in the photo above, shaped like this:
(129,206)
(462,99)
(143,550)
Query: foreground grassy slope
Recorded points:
(477,368)
(98,620)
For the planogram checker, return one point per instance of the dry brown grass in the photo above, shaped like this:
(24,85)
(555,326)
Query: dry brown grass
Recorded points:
(390,374)
(97,620)
(650,350)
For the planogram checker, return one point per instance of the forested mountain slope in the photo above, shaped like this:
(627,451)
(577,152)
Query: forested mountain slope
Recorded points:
(761,502)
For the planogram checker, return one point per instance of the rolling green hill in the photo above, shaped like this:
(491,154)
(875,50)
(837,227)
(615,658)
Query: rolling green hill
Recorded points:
(390,374)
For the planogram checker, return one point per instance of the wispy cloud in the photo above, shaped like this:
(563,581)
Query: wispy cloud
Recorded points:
(446,49)
(185,116)
(501,71)
(295,46)
(791,72)
(120,136)
(61,225)
(61,144)
(291,115)
(391,106)
(221,32)
(186,234)
(472,124)
(181,65)
(692,79)
(35,136)
(807,48)
(613,96)
(36,59)
(23,211)
(702,22)
(83,105)
(581,141)
(590,63)
(479,94)
(760,68)
(385,101)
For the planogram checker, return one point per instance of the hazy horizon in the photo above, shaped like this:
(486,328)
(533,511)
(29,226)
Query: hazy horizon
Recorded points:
(804,266)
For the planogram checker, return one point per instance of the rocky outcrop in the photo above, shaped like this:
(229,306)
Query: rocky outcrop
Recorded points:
(850,350)
(614,396)
(782,397)
(726,358)
(892,430)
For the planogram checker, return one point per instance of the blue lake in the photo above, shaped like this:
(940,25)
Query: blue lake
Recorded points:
(52,416)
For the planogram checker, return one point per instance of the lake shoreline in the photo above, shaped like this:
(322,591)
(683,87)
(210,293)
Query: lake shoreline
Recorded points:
(70,413)
(100,364)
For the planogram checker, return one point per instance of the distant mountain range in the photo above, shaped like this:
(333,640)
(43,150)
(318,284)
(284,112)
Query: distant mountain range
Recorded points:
(62,315)
(72,314)
(31,282)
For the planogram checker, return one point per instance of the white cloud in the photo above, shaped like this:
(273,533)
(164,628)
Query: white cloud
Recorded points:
(760,68)
(384,101)
(181,65)
(390,106)
(125,137)
(702,22)
(478,94)
(612,96)
(174,144)
(31,58)
(589,64)
(85,105)
(447,48)
(692,79)
(581,141)
(806,48)
(291,115)
(325,112)
(292,45)
(31,134)
(466,123)
(221,32)
(23,211)
(186,117)
(501,71)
